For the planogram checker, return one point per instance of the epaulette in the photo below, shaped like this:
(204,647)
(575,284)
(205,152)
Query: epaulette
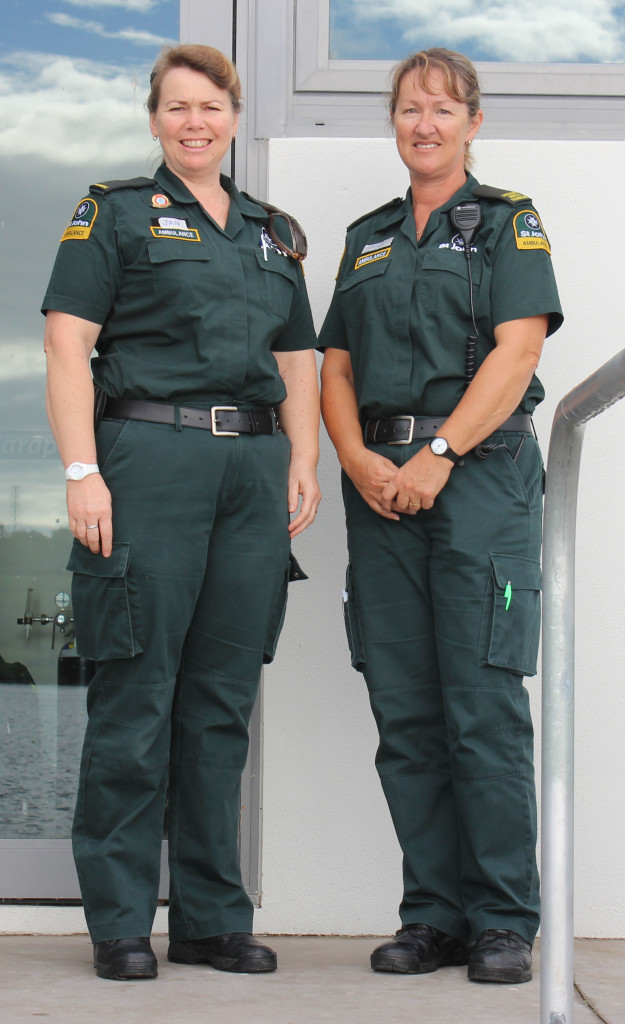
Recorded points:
(267,207)
(489,192)
(385,206)
(102,187)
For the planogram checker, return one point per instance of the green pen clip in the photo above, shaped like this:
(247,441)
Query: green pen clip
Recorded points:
(508,594)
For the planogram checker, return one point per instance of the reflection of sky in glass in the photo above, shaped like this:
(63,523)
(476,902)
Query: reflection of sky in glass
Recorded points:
(593,31)
(111,31)
(74,79)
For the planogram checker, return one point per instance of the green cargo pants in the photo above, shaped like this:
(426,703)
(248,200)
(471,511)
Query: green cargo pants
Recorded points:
(443,613)
(179,619)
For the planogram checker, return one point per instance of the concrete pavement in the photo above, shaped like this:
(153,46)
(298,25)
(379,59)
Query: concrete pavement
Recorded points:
(319,979)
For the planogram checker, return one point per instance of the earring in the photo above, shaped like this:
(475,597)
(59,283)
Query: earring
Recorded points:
(155,137)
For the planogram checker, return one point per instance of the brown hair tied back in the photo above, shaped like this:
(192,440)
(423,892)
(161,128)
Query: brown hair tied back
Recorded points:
(459,77)
(205,59)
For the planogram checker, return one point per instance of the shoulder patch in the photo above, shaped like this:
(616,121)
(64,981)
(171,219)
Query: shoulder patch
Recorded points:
(385,206)
(82,220)
(529,232)
(102,187)
(489,192)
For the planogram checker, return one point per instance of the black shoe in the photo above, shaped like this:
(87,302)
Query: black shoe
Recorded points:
(419,949)
(124,959)
(238,951)
(499,954)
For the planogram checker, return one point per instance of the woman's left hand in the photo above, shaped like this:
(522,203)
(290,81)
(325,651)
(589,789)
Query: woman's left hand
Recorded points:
(417,483)
(302,481)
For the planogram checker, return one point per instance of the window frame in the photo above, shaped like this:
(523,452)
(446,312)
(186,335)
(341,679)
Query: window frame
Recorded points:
(318,96)
(316,71)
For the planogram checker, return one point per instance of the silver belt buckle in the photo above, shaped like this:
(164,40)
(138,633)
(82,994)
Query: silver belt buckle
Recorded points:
(214,428)
(408,440)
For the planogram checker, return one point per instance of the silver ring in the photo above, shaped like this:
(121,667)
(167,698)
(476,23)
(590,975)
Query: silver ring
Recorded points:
(93,527)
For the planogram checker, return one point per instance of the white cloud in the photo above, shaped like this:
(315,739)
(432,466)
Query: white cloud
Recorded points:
(137,36)
(522,31)
(70,111)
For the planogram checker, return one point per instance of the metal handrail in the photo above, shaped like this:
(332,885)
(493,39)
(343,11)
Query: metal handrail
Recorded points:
(590,398)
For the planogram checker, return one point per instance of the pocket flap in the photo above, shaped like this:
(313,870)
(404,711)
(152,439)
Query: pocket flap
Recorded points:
(364,273)
(278,264)
(520,572)
(162,251)
(453,263)
(84,561)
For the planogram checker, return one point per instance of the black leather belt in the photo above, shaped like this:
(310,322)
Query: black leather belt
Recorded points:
(221,420)
(406,429)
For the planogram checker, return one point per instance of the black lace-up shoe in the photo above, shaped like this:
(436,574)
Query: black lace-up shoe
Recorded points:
(239,952)
(499,954)
(124,959)
(419,949)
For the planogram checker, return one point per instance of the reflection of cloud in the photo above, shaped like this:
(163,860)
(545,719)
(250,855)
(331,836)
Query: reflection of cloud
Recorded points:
(19,362)
(132,35)
(71,111)
(500,30)
(141,6)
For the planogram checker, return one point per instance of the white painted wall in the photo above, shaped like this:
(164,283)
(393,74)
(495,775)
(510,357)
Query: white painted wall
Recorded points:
(331,863)
(330,859)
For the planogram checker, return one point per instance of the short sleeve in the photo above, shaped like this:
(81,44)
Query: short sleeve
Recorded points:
(523,282)
(333,334)
(299,331)
(87,271)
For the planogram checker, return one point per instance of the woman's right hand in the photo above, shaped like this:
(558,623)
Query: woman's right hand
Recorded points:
(370,473)
(89,505)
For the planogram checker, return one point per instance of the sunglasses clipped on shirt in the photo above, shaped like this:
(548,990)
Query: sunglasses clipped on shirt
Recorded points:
(298,249)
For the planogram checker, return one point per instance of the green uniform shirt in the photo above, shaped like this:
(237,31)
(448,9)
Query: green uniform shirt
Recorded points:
(403,309)
(189,313)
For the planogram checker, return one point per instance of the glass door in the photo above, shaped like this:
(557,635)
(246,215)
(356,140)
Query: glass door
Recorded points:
(74,79)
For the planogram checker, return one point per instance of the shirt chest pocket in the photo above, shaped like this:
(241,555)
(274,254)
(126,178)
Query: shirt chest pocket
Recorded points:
(444,282)
(276,281)
(362,292)
(180,271)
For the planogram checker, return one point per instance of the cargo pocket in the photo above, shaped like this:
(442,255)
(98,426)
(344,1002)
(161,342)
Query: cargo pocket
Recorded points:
(511,621)
(352,623)
(276,622)
(106,604)
(276,619)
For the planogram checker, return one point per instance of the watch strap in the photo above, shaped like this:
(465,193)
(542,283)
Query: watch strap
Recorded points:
(448,453)
(84,469)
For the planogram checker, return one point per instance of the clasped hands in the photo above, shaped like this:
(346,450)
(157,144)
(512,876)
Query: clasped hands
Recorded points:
(390,490)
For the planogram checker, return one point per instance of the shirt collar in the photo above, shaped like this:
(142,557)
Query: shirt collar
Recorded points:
(463,194)
(179,191)
(241,206)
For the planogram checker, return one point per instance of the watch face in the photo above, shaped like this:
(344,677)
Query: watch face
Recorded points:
(439,445)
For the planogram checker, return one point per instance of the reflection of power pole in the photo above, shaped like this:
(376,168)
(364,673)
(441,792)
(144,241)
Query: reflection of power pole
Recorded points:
(15,505)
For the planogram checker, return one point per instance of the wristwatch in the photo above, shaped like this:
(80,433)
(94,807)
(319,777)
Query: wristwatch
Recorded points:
(79,470)
(439,446)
